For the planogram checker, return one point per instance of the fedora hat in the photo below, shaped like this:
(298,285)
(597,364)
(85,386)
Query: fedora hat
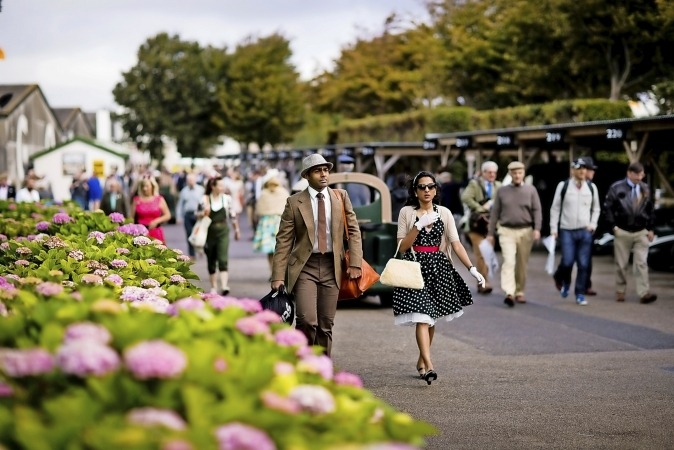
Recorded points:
(312,161)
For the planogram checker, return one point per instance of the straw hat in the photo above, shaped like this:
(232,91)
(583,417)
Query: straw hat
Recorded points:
(312,161)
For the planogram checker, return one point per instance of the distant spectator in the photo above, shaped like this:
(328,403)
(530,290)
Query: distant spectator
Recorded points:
(95,192)
(79,190)
(450,195)
(114,199)
(358,193)
(399,195)
(28,193)
(7,190)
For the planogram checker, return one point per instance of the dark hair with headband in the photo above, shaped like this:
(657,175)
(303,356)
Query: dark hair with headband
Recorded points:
(412,199)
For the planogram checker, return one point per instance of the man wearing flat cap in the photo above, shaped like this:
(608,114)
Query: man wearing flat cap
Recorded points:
(310,248)
(574,215)
(516,217)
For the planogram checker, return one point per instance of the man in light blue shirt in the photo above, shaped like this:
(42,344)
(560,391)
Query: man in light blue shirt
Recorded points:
(188,204)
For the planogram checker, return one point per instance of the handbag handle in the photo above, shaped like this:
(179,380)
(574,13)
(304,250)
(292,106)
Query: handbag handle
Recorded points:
(414,254)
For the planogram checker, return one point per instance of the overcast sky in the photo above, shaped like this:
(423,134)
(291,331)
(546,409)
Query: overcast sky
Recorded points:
(76,49)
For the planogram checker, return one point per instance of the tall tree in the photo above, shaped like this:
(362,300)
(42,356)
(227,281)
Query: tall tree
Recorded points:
(171,92)
(261,97)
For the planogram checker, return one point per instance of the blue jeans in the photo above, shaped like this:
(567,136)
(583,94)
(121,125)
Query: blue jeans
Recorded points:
(189,219)
(576,246)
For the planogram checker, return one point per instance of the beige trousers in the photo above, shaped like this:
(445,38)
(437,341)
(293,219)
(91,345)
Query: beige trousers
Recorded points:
(480,264)
(516,246)
(636,243)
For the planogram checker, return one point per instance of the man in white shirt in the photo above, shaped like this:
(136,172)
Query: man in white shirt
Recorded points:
(28,193)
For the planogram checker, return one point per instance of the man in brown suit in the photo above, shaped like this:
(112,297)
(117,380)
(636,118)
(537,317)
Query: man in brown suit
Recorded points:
(310,248)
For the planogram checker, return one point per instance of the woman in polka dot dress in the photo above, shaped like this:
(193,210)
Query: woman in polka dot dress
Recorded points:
(429,230)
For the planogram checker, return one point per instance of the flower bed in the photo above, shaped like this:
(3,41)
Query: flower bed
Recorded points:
(104,344)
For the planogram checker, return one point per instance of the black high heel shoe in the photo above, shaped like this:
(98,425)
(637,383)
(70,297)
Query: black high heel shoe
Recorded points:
(422,372)
(430,376)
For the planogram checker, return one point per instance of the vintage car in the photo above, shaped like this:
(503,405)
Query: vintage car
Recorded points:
(374,216)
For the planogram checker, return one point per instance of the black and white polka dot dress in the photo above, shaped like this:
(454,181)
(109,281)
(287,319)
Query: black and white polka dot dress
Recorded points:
(444,294)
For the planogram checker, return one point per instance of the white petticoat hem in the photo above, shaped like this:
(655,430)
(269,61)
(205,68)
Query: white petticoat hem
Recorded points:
(409,319)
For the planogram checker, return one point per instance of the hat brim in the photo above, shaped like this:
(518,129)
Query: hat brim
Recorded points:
(329,164)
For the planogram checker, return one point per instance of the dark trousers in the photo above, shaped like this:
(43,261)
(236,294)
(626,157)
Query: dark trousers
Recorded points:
(189,219)
(576,246)
(316,294)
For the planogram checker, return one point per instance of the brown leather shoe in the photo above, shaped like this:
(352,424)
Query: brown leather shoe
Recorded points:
(591,292)
(648,298)
(484,290)
(619,296)
(520,299)
(509,301)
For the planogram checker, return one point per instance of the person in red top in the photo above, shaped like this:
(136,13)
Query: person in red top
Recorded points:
(150,208)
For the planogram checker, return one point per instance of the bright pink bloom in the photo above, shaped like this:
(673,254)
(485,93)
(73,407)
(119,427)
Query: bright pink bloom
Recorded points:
(289,337)
(278,402)
(154,416)
(268,316)
(23,363)
(239,436)
(251,326)
(87,331)
(348,379)
(87,357)
(49,289)
(319,364)
(155,359)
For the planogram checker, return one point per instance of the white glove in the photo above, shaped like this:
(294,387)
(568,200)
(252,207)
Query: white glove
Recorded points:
(477,276)
(426,220)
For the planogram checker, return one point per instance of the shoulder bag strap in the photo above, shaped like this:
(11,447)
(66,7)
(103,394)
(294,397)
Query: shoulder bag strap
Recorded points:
(346,233)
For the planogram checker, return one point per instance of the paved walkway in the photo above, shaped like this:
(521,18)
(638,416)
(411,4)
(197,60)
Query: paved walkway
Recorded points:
(548,374)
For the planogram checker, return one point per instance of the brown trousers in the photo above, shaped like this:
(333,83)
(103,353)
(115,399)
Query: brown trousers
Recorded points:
(316,293)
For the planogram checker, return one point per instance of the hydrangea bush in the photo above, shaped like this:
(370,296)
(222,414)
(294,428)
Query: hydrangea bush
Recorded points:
(100,349)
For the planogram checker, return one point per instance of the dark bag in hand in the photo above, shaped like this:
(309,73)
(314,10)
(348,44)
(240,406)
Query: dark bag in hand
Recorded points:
(479,222)
(281,303)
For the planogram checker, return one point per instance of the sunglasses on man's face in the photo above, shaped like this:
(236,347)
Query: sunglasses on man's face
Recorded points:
(429,186)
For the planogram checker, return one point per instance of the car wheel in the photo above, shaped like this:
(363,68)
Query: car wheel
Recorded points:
(386,299)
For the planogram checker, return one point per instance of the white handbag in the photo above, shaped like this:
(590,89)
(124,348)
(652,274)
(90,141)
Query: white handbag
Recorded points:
(402,273)
(199,233)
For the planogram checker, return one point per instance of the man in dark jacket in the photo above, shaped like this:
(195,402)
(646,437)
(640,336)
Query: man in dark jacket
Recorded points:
(629,213)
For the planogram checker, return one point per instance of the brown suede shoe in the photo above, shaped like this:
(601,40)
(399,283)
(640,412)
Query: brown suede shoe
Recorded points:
(619,296)
(520,298)
(484,290)
(648,298)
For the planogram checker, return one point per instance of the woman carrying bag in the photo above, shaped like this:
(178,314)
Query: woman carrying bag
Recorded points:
(218,206)
(429,229)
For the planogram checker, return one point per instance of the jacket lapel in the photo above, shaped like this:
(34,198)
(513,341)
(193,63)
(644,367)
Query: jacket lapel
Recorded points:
(336,219)
(307,212)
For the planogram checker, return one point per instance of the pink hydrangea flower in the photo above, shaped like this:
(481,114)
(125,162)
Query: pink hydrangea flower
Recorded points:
(156,304)
(61,218)
(319,364)
(177,444)
(49,289)
(116,217)
(219,365)
(151,261)
(251,326)
(123,251)
(133,229)
(87,331)
(250,305)
(184,258)
(348,379)
(284,368)
(218,302)
(313,398)
(118,263)
(101,273)
(6,390)
(55,242)
(278,402)
(268,316)
(149,283)
(154,416)
(23,363)
(99,236)
(289,337)
(84,357)
(77,255)
(239,436)
(3,238)
(178,279)
(42,226)
(90,278)
(5,246)
(21,262)
(186,304)
(24,251)
(155,359)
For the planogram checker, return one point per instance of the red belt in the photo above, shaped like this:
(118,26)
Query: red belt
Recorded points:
(425,249)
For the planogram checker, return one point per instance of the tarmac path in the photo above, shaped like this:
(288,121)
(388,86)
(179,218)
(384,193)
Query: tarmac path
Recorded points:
(546,374)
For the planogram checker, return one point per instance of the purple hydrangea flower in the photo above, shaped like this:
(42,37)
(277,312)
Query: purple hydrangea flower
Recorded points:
(101,273)
(268,316)
(21,262)
(49,289)
(118,263)
(239,436)
(83,357)
(99,236)
(313,398)
(114,279)
(154,416)
(177,279)
(348,379)
(290,337)
(23,363)
(87,331)
(155,359)
(13,276)
(250,305)
(61,218)
(272,400)
(116,217)
(142,240)
(156,304)
(251,326)
(133,229)
(3,238)
(186,304)
(55,242)
(150,283)
(5,246)
(218,302)
(90,278)
(42,226)
(123,251)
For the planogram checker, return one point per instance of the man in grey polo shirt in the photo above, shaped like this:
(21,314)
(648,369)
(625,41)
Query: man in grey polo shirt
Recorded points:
(516,216)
